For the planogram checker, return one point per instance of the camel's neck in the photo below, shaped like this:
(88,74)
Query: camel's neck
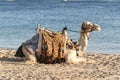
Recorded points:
(83,41)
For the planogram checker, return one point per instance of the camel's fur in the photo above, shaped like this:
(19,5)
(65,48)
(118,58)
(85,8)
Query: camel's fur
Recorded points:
(85,35)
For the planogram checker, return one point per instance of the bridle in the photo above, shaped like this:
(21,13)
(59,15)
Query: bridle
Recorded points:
(88,28)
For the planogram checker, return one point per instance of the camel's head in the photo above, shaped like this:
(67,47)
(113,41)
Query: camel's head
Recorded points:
(89,27)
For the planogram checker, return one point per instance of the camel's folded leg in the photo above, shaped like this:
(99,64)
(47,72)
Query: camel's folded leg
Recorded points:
(29,53)
(71,57)
(81,54)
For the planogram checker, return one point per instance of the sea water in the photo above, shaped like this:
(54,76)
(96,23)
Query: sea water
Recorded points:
(18,20)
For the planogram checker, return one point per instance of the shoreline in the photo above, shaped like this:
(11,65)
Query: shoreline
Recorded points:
(98,66)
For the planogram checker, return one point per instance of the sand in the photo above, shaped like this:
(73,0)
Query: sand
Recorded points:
(97,67)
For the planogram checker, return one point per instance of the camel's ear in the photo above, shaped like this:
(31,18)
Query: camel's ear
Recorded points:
(84,22)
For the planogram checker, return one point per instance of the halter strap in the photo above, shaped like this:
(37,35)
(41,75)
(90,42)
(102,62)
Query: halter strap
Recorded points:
(84,29)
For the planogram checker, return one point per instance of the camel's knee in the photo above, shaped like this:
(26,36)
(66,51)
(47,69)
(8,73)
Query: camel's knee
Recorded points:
(29,53)
(71,57)
(80,53)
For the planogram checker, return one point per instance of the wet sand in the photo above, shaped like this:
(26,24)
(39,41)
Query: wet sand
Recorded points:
(97,67)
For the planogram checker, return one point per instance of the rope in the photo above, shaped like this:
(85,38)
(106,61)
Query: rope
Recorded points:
(74,31)
(50,29)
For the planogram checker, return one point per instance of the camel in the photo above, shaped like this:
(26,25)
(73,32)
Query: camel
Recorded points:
(71,55)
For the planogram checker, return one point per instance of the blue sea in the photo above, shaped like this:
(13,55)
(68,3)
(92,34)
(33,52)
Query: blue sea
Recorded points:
(18,20)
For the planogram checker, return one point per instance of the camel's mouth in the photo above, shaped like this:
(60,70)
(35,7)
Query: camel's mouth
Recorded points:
(98,28)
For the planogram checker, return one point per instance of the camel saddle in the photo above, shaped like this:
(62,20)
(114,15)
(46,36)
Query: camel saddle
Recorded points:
(53,47)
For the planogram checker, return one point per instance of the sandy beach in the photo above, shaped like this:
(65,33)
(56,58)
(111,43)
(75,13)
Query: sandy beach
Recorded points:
(97,67)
